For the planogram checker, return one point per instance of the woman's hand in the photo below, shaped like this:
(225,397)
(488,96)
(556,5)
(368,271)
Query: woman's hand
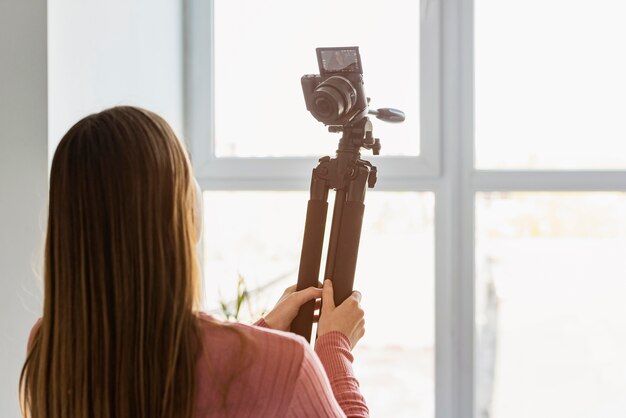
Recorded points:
(289,304)
(347,318)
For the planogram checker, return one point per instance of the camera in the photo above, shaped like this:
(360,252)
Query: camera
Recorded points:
(336,97)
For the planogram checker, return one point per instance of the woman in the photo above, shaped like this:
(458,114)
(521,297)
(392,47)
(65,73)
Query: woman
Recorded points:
(121,335)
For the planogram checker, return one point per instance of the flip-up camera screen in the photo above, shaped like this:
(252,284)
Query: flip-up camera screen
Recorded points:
(339,60)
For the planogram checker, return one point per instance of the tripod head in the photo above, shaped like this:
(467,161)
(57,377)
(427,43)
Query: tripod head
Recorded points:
(361,134)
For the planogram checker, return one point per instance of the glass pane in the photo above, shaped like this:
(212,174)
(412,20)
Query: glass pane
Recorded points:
(258,236)
(550,84)
(262,48)
(551,317)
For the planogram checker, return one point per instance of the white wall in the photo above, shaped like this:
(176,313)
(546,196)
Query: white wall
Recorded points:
(23,182)
(100,54)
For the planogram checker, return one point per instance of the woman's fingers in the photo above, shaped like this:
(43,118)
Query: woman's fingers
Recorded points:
(305,295)
(325,293)
(290,289)
(327,297)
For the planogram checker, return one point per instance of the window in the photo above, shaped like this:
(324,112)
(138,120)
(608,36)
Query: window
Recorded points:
(497,221)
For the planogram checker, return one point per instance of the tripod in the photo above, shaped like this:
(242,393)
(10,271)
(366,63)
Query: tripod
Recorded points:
(349,176)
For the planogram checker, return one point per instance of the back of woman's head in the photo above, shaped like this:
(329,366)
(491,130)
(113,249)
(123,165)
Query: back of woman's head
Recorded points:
(118,333)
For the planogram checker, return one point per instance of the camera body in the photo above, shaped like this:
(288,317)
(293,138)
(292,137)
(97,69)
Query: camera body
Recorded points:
(336,97)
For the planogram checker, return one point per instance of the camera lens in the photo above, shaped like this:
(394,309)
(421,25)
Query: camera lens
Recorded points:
(323,107)
(333,99)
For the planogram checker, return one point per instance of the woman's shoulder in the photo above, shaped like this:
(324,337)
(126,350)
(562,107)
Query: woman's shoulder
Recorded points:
(268,361)
(261,363)
(265,342)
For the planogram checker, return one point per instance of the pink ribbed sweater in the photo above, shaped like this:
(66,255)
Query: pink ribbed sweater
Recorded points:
(273,374)
(284,377)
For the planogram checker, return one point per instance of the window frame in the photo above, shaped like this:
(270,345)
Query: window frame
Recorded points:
(280,173)
(446,166)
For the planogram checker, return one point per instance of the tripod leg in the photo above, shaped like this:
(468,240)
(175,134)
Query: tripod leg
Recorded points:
(335,228)
(311,256)
(349,237)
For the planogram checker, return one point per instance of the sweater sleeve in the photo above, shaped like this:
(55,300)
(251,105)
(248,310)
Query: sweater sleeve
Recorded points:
(333,350)
(312,388)
(312,394)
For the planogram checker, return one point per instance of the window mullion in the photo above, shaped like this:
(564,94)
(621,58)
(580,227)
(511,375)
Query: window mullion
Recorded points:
(198,81)
(527,180)
(298,168)
(454,230)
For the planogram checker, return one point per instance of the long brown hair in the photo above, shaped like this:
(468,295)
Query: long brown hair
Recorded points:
(118,336)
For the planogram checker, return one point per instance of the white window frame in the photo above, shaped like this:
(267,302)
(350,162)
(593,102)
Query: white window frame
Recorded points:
(445,167)
(289,172)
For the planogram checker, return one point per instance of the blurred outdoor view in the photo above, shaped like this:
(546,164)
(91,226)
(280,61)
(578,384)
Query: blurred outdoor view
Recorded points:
(258,236)
(551,305)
